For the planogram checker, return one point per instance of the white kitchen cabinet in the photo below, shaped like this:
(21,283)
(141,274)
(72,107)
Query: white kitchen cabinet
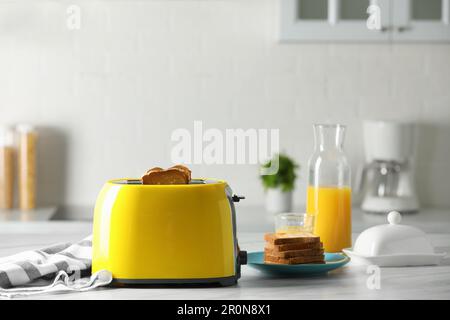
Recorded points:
(347,20)
(421,20)
(341,20)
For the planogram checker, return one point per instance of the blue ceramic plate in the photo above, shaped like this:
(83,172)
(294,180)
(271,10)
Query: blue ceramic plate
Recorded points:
(332,261)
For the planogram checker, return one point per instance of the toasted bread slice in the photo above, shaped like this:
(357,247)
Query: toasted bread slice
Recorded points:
(284,238)
(293,246)
(160,176)
(155,169)
(294,260)
(184,169)
(294,253)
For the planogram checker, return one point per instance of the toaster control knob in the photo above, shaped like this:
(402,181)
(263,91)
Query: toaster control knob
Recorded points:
(237,198)
(242,257)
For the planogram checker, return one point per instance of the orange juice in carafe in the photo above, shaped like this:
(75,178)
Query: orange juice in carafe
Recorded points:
(329,195)
(331,207)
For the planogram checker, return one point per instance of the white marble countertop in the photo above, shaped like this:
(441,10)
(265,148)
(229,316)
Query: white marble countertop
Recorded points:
(349,282)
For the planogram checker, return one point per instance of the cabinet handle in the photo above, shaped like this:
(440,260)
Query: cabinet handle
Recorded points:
(403,28)
(384,29)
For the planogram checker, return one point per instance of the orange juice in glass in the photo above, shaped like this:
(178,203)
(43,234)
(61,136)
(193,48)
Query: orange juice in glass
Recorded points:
(329,194)
(331,207)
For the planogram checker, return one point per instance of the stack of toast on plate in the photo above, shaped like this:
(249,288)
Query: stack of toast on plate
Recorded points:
(282,248)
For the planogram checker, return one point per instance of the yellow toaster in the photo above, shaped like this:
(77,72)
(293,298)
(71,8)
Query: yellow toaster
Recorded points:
(167,234)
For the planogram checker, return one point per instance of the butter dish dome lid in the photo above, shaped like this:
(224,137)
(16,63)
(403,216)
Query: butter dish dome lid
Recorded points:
(394,245)
(392,239)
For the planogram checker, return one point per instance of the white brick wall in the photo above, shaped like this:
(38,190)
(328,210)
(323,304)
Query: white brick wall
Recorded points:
(108,96)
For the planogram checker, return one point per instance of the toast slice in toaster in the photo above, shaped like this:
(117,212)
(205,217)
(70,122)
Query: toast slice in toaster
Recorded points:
(161,176)
(284,238)
(184,169)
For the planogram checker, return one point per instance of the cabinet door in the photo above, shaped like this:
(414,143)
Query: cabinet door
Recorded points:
(332,20)
(421,20)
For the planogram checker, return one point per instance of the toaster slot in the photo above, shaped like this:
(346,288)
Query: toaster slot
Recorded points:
(139,181)
(129,181)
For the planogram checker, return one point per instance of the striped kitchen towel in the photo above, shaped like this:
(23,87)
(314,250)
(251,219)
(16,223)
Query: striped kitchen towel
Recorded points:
(61,267)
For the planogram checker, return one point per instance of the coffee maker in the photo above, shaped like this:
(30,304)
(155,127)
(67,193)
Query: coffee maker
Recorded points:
(387,179)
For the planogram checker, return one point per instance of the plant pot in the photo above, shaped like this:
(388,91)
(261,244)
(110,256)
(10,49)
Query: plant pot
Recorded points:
(278,201)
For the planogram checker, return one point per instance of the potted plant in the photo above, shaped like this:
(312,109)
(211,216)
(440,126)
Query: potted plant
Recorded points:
(279,186)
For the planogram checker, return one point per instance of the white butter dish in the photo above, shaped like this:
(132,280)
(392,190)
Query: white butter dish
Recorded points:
(394,245)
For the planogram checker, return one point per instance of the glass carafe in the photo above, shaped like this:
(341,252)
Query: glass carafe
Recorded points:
(329,193)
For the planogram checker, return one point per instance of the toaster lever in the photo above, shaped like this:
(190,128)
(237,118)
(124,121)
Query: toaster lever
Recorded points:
(237,198)
(242,257)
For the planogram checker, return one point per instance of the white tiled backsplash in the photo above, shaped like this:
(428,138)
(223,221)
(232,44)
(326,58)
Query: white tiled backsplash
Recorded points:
(107,96)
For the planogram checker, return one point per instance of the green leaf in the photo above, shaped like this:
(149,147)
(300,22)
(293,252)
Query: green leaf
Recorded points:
(284,178)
